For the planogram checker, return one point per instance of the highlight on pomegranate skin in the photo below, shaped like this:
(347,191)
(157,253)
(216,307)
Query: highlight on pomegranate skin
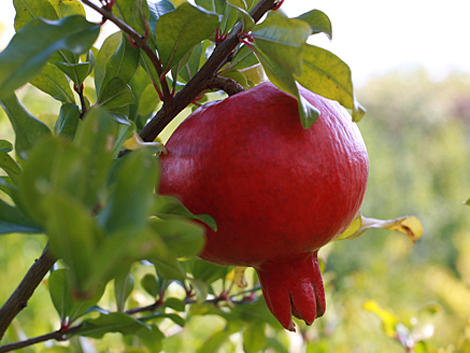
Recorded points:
(277,191)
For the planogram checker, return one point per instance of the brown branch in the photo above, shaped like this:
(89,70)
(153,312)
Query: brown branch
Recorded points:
(226,84)
(139,40)
(198,83)
(19,299)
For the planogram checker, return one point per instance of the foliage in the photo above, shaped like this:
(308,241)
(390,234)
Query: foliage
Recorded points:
(127,275)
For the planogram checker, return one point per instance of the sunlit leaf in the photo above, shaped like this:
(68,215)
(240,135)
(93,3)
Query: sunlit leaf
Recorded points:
(108,48)
(282,40)
(28,52)
(136,142)
(157,10)
(28,10)
(134,12)
(318,21)
(238,276)
(327,75)
(180,30)
(28,129)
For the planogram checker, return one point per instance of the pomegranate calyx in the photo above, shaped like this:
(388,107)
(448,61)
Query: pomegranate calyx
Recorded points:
(294,287)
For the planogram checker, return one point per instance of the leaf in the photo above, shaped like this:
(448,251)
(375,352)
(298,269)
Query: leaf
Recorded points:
(217,6)
(28,129)
(70,227)
(180,30)
(76,72)
(133,179)
(282,40)
(69,8)
(116,94)
(134,12)
(148,101)
(254,337)
(409,225)
(28,10)
(150,284)
(169,206)
(67,123)
(191,66)
(175,304)
(9,165)
(27,52)
(123,63)
(182,237)
(318,21)
(5,146)
(237,275)
(327,75)
(52,81)
(240,7)
(112,322)
(123,286)
(68,306)
(389,320)
(157,10)
(12,220)
(152,337)
(108,48)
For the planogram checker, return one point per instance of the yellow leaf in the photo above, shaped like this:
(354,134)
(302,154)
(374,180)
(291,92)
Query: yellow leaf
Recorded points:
(237,275)
(409,225)
(136,142)
(389,320)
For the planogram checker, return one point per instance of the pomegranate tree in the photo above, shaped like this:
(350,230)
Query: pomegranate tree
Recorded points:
(277,191)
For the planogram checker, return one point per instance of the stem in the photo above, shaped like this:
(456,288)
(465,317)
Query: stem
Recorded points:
(198,83)
(19,299)
(139,40)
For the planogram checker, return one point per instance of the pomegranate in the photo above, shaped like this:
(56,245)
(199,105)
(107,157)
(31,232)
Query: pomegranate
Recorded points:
(277,191)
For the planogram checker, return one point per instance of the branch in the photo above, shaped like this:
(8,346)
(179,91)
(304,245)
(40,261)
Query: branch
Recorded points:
(19,299)
(140,41)
(198,83)
(226,84)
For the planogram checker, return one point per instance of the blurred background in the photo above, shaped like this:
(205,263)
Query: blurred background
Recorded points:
(411,67)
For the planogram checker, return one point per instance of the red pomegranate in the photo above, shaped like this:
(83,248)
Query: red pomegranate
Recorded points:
(277,191)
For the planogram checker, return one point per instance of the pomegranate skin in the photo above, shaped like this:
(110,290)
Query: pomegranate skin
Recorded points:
(277,191)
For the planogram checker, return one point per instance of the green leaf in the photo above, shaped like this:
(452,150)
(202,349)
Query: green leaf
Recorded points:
(68,8)
(133,181)
(123,286)
(152,337)
(150,283)
(208,272)
(28,52)
(254,337)
(178,31)
(76,72)
(68,306)
(123,63)
(5,146)
(148,101)
(108,48)
(282,40)
(242,10)
(134,12)
(12,220)
(157,10)
(116,94)
(191,66)
(52,81)
(215,341)
(169,268)
(67,123)
(28,10)
(166,206)
(28,129)
(217,6)
(175,304)
(73,235)
(183,238)
(9,165)
(112,322)
(327,75)
(318,21)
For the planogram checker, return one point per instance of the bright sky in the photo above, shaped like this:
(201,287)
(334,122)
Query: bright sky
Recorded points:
(374,37)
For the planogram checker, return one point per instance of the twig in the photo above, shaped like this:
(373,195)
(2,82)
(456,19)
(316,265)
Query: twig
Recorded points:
(19,299)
